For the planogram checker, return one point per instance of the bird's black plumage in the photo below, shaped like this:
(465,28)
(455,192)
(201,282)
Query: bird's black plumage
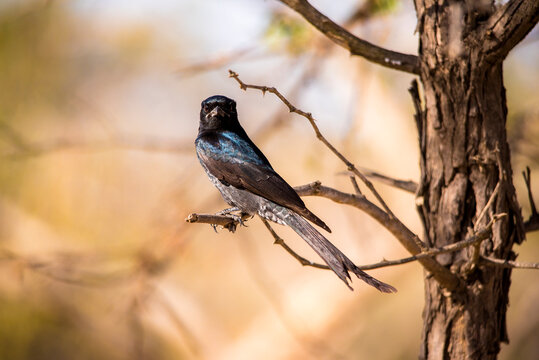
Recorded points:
(246,180)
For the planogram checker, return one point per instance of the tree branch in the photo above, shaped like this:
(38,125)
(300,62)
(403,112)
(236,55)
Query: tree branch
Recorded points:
(279,241)
(356,46)
(509,263)
(508,26)
(405,236)
(351,167)
(228,221)
(532,224)
(25,149)
(406,185)
(473,239)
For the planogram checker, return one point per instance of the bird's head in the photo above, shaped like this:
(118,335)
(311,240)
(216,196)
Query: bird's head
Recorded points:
(218,112)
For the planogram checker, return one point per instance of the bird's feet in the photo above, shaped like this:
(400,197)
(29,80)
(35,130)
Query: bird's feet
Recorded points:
(237,217)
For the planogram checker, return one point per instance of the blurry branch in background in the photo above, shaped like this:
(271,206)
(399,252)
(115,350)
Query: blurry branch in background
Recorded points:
(219,61)
(25,149)
(532,224)
(191,341)
(405,185)
(66,269)
(315,346)
(356,46)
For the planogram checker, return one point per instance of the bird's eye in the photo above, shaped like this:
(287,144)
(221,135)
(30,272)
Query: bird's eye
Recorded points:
(205,107)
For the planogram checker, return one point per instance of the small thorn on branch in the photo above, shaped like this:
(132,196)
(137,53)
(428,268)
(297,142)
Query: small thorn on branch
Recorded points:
(532,224)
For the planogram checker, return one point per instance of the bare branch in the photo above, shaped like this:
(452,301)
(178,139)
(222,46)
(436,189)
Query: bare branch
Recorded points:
(25,149)
(509,263)
(473,239)
(487,205)
(532,224)
(65,272)
(216,62)
(351,167)
(406,185)
(228,221)
(355,185)
(356,46)
(405,236)
(279,241)
(508,26)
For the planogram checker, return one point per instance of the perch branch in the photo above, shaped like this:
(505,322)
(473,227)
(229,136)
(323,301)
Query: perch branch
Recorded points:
(228,221)
(356,46)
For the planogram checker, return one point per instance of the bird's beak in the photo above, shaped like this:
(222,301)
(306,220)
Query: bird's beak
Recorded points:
(216,111)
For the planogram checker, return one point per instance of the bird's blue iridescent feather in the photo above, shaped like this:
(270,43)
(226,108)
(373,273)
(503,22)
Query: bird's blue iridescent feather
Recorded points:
(229,147)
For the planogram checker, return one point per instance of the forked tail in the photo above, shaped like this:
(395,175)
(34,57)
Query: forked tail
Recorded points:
(333,257)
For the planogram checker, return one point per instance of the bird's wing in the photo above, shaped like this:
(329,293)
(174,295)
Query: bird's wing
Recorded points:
(239,163)
(256,178)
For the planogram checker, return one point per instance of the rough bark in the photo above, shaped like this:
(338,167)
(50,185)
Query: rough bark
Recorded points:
(464,155)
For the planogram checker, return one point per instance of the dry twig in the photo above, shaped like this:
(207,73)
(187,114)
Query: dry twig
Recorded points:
(532,224)
(356,46)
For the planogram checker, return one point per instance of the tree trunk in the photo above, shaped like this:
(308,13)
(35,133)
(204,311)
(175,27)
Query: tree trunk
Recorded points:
(465,157)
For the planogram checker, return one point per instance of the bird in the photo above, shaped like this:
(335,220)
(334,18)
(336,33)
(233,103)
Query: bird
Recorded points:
(248,182)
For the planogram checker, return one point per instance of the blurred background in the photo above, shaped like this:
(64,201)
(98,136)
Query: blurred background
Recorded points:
(99,104)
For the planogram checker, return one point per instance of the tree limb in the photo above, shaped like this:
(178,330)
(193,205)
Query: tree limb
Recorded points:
(351,167)
(509,263)
(228,221)
(508,26)
(356,46)
(279,241)
(473,239)
(405,236)
(532,224)
(406,185)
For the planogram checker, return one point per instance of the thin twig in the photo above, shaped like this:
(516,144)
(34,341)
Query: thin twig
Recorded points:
(487,205)
(473,239)
(532,224)
(351,167)
(476,248)
(404,235)
(30,150)
(509,263)
(406,185)
(476,238)
(279,241)
(355,185)
(228,221)
(215,62)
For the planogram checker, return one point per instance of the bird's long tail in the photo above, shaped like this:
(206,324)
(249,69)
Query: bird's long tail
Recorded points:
(333,257)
